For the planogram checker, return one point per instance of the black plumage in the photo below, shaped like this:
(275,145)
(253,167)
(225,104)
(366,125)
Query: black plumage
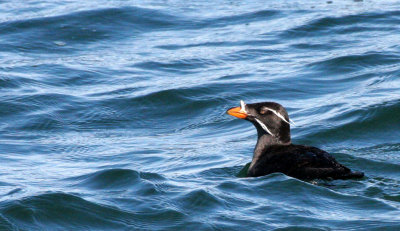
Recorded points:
(299,161)
(274,151)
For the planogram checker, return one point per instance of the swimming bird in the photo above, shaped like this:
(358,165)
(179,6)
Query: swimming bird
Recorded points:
(274,151)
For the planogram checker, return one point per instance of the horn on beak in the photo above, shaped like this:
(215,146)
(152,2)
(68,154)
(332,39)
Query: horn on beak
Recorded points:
(238,112)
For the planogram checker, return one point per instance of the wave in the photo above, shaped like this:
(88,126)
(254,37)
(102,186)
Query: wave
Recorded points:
(108,18)
(119,179)
(201,200)
(346,24)
(378,119)
(41,107)
(63,33)
(179,66)
(60,211)
(251,54)
(350,63)
(225,43)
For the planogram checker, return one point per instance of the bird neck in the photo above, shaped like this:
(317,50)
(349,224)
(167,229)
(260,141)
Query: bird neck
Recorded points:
(263,142)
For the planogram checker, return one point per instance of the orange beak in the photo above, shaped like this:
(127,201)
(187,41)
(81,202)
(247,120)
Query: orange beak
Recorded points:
(235,111)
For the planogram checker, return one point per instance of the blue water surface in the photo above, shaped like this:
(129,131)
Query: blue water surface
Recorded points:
(112,113)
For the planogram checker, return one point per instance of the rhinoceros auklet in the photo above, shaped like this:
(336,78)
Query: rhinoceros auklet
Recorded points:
(274,151)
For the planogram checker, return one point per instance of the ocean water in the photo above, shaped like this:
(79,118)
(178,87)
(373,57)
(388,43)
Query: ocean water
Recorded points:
(112,113)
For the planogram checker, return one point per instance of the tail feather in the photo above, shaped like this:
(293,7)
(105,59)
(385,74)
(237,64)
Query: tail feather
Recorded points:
(351,175)
(328,173)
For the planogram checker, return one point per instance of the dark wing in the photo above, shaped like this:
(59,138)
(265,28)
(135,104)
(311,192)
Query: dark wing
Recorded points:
(313,163)
(302,162)
(307,156)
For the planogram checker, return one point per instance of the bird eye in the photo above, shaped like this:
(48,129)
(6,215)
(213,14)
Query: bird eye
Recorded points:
(265,111)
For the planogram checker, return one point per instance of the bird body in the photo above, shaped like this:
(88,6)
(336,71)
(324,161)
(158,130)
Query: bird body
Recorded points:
(274,151)
(300,161)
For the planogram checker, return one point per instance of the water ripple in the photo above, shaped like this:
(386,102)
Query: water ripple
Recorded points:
(345,24)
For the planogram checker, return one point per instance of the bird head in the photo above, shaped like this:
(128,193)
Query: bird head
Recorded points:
(269,118)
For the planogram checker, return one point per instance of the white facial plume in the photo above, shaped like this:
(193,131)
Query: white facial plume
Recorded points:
(280,116)
(242,106)
(264,126)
